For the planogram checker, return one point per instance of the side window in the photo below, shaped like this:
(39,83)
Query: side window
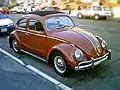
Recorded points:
(35,25)
(97,8)
(22,23)
(87,8)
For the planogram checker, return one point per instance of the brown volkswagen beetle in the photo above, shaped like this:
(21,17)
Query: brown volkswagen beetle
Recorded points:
(53,37)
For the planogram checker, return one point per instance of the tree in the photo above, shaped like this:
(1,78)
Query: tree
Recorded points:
(118,1)
(1,0)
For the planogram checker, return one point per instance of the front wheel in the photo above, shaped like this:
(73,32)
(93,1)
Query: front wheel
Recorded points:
(80,16)
(60,64)
(96,17)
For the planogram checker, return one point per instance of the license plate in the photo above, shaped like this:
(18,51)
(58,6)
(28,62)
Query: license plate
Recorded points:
(4,30)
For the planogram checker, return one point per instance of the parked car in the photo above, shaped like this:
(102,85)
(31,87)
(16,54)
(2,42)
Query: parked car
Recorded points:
(53,37)
(6,24)
(4,10)
(97,12)
(17,9)
(50,8)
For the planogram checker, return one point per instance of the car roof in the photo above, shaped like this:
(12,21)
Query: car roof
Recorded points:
(43,13)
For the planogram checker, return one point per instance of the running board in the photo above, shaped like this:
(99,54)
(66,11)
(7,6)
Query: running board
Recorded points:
(41,58)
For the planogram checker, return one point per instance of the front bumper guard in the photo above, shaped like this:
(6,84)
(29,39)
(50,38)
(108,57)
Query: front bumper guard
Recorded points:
(93,62)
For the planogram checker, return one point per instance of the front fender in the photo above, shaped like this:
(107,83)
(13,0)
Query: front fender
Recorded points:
(14,35)
(65,49)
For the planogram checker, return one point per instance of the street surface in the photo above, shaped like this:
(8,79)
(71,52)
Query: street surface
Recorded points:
(103,77)
(14,76)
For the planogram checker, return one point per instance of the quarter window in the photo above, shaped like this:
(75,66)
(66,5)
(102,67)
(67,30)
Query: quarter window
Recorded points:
(22,23)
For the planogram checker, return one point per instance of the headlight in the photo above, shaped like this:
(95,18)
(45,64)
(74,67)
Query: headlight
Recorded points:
(78,54)
(104,44)
(11,24)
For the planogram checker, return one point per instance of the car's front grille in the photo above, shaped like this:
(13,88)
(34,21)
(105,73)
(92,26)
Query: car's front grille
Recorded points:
(4,26)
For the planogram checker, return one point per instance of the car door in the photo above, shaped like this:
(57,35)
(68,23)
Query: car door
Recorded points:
(97,10)
(21,31)
(35,37)
(87,11)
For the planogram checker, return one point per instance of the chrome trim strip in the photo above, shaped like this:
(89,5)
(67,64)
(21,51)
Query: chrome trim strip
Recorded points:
(56,39)
(33,55)
(39,35)
(101,57)
(91,43)
(85,62)
(89,40)
(82,67)
(33,33)
(100,61)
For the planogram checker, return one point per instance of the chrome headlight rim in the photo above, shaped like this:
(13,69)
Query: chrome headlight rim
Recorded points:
(78,54)
(104,44)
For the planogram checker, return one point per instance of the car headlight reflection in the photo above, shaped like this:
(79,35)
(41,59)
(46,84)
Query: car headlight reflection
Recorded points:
(11,24)
(78,55)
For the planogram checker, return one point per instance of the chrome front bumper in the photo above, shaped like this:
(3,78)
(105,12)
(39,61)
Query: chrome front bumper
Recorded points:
(93,62)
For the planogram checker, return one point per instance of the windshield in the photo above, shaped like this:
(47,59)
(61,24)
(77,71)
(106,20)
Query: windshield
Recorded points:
(57,22)
(2,16)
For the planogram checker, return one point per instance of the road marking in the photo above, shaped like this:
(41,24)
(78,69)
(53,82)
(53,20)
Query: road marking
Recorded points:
(58,84)
(13,57)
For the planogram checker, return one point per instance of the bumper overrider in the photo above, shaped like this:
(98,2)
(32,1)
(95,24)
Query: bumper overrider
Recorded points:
(93,62)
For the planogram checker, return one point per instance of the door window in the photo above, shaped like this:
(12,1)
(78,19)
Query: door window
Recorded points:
(35,25)
(97,8)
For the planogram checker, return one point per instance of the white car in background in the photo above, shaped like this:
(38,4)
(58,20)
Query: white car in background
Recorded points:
(97,12)
(6,24)
(17,9)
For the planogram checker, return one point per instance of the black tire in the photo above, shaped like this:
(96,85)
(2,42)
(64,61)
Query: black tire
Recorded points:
(61,67)
(105,17)
(14,44)
(80,16)
(96,17)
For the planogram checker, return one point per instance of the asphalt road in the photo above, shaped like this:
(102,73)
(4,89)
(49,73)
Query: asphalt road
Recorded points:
(103,77)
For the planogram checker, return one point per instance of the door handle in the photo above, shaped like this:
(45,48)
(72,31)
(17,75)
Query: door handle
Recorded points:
(27,33)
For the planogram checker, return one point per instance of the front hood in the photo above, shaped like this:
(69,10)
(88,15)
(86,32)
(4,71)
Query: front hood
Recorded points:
(82,39)
(5,21)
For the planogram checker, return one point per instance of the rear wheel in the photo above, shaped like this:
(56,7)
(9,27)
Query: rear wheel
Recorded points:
(60,64)
(15,46)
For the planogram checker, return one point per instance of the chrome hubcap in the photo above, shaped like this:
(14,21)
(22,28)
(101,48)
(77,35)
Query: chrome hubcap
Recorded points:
(15,45)
(96,17)
(59,64)
(80,16)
